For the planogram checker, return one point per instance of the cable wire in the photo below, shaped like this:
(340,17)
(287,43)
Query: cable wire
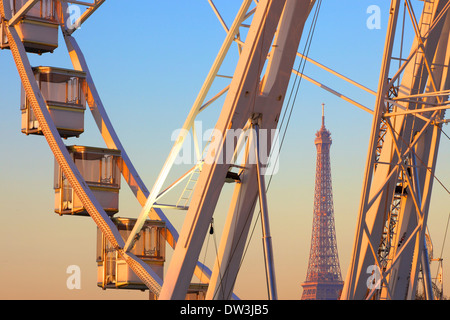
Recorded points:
(301,66)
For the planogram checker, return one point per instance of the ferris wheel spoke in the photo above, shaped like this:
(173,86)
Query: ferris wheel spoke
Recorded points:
(196,108)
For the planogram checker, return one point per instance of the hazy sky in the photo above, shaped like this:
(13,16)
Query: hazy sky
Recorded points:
(148,61)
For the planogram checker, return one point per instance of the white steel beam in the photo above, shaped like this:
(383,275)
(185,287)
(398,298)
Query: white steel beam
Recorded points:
(416,46)
(361,258)
(425,154)
(416,111)
(340,95)
(401,144)
(222,22)
(267,238)
(241,103)
(337,74)
(243,202)
(188,123)
(83,3)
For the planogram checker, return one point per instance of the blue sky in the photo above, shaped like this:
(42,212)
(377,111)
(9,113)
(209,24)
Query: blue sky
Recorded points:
(148,61)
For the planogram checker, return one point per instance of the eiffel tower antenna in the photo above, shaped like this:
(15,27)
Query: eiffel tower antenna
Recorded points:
(323,114)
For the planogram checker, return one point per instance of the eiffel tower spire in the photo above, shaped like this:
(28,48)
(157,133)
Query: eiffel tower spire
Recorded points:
(323,115)
(323,278)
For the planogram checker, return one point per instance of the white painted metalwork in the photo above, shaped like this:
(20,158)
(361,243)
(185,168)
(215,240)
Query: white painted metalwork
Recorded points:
(423,77)
(404,143)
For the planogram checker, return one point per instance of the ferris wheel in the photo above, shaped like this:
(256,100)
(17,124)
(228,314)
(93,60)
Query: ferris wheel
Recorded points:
(407,121)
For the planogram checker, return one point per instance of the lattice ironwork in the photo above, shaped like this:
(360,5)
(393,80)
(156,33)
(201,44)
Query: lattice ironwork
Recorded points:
(323,279)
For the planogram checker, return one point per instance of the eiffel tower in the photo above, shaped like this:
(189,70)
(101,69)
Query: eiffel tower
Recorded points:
(323,278)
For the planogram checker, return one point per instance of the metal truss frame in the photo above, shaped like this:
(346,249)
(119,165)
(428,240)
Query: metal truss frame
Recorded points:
(402,152)
(410,124)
